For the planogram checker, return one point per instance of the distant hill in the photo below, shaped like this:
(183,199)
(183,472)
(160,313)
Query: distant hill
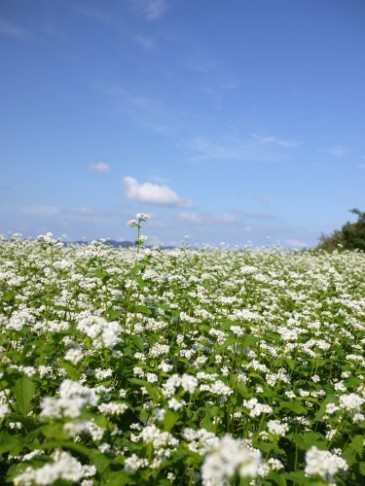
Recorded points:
(113,243)
(116,244)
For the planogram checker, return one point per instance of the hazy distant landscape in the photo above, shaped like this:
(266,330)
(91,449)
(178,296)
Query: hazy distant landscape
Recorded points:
(184,366)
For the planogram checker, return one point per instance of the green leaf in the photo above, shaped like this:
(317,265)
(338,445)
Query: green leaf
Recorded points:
(72,371)
(105,276)
(143,309)
(119,478)
(114,314)
(207,424)
(241,388)
(151,390)
(7,442)
(66,444)
(8,296)
(170,419)
(353,452)
(294,407)
(299,479)
(54,431)
(138,341)
(308,439)
(277,478)
(24,390)
(127,351)
(322,409)
(291,363)
(140,282)
(100,461)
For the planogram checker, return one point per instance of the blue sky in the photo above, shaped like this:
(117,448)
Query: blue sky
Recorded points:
(226,121)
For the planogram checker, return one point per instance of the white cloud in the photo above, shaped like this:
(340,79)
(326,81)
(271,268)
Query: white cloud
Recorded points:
(149,193)
(100,167)
(271,140)
(150,9)
(10,30)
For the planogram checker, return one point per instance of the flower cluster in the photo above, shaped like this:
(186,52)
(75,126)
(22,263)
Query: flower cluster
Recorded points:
(183,366)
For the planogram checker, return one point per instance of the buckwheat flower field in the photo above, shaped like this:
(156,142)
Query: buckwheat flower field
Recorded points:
(186,366)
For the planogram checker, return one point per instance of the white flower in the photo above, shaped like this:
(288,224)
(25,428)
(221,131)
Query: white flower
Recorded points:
(351,402)
(331,408)
(152,435)
(227,459)
(174,404)
(276,427)
(200,441)
(101,374)
(158,350)
(76,427)
(323,463)
(73,396)
(74,355)
(102,332)
(64,467)
(4,407)
(112,408)
(142,217)
(189,383)
(133,463)
(256,408)
(152,378)
(165,367)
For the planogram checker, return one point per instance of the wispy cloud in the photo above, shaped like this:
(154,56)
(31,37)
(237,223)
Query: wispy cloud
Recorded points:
(148,112)
(296,244)
(100,167)
(83,213)
(207,150)
(79,213)
(337,151)
(255,214)
(111,21)
(271,140)
(198,218)
(155,194)
(11,30)
(40,210)
(201,63)
(264,201)
(150,9)
(143,40)
(233,148)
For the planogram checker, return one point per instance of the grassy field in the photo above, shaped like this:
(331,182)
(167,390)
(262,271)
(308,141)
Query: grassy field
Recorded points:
(213,367)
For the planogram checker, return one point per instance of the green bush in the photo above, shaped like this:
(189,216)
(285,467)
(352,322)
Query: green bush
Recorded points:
(350,237)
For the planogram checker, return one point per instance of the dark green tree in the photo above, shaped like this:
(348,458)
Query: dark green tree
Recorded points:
(350,237)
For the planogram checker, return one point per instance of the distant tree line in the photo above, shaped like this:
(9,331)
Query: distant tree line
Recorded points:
(350,237)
